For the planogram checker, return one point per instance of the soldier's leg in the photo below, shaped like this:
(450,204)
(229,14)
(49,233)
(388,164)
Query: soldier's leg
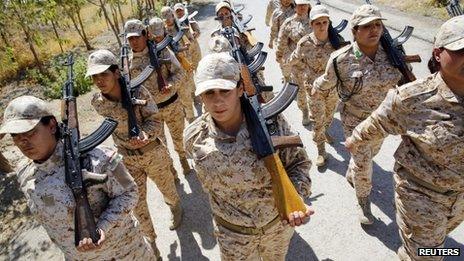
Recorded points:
(318,110)
(274,244)
(422,221)
(196,54)
(330,108)
(186,98)
(235,246)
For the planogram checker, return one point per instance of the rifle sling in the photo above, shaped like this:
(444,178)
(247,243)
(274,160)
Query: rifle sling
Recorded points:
(167,102)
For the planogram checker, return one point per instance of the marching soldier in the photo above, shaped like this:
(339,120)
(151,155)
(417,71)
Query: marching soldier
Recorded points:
(157,31)
(309,60)
(428,114)
(271,6)
(166,98)
(194,31)
(248,226)
(35,132)
(291,31)
(362,75)
(144,156)
(284,11)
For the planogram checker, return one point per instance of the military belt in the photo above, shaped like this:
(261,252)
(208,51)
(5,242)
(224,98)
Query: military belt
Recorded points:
(246,230)
(141,151)
(430,186)
(168,101)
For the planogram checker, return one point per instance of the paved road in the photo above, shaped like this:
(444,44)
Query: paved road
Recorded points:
(333,233)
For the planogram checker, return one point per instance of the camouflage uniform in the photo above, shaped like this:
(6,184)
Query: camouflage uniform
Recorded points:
(112,195)
(237,182)
(271,6)
(278,17)
(429,185)
(291,32)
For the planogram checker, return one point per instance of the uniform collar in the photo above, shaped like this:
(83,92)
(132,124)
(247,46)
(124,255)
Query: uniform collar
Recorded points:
(379,56)
(217,134)
(54,160)
(141,54)
(445,91)
(317,41)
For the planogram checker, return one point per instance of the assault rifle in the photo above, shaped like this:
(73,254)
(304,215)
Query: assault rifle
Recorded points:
(286,197)
(335,39)
(396,53)
(74,154)
(454,8)
(128,92)
(184,21)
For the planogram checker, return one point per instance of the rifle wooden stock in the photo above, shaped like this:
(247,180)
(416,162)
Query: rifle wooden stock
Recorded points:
(162,84)
(282,142)
(412,58)
(286,197)
(84,223)
(184,62)
(251,39)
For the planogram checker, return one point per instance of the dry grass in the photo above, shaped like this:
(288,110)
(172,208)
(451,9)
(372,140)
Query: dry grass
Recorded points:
(421,7)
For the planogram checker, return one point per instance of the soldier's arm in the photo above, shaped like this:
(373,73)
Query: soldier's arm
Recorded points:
(282,41)
(274,27)
(195,28)
(176,73)
(151,125)
(328,81)
(269,10)
(386,119)
(298,55)
(122,191)
(295,161)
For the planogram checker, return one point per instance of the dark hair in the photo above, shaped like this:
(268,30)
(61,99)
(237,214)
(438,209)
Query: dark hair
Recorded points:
(113,68)
(433,64)
(46,121)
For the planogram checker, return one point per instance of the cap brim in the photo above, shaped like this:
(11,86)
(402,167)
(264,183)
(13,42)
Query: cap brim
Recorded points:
(96,69)
(133,34)
(370,19)
(319,16)
(456,45)
(18,126)
(222,84)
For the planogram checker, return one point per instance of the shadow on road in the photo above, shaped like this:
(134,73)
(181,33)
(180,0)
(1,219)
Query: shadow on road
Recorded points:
(197,220)
(299,249)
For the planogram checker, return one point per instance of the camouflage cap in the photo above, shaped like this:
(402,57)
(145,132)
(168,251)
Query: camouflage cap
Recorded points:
(216,71)
(221,5)
(156,26)
(23,113)
(99,61)
(451,34)
(318,11)
(134,27)
(219,44)
(365,14)
(178,6)
(302,2)
(166,13)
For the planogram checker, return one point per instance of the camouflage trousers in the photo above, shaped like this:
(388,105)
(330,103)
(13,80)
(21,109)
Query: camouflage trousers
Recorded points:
(322,109)
(156,165)
(302,99)
(360,166)
(273,245)
(186,95)
(195,54)
(424,217)
(173,115)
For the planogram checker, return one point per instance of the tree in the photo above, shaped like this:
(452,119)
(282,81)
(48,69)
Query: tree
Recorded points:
(114,26)
(72,8)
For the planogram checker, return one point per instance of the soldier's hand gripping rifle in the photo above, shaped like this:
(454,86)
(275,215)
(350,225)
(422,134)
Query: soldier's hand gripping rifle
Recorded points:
(285,195)
(241,26)
(454,8)
(179,52)
(128,91)
(335,39)
(74,154)
(395,51)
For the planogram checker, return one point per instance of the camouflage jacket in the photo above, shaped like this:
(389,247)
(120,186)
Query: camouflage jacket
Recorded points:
(430,117)
(52,203)
(243,39)
(271,6)
(310,57)
(278,17)
(147,119)
(238,183)
(171,71)
(291,32)
(375,77)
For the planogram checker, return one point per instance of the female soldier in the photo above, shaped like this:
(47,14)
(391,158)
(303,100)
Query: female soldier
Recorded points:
(145,155)
(35,132)
(238,184)
(429,114)
(362,76)
(308,60)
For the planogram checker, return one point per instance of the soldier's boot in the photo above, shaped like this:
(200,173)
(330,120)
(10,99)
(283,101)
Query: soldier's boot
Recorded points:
(176,216)
(365,214)
(328,138)
(306,121)
(321,155)
(185,165)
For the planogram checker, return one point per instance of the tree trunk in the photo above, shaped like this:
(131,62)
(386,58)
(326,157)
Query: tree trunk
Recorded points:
(120,14)
(86,40)
(114,14)
(105,14)
(70,14)
(57,36)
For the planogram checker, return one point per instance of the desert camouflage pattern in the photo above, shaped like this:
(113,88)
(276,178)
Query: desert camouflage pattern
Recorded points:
(52,204)
(172,114)
(309,60)
(194,50)
(271,6)
(291,32)
(277,19)
(377,77)
(154,164)
(242,38)
(238,184)
(273,245)
(429,116)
